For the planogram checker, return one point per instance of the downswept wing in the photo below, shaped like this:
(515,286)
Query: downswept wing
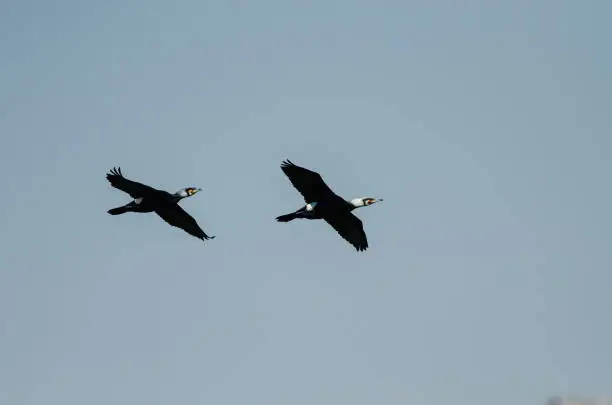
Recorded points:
(310,184)
(178,217)
(351,229)
(133,188)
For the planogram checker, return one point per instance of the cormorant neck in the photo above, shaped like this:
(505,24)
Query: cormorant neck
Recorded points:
(357,202)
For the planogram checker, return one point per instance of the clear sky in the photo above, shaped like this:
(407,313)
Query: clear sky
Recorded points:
(485,126)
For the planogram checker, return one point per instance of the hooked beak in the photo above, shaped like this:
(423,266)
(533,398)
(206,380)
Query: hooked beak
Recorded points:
(373,201)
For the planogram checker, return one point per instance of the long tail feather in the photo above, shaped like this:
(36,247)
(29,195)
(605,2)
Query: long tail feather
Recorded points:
(118,210)
(286,218)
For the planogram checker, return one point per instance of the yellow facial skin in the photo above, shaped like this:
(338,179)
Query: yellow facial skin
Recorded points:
(370,201)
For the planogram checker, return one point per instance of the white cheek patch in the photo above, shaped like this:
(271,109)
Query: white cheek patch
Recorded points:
(138,200)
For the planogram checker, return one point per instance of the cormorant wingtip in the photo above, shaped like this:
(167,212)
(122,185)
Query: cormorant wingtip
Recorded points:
(115,171)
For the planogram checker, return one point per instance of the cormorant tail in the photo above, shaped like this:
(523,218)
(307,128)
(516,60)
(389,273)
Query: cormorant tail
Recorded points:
(118,210)
(287,217)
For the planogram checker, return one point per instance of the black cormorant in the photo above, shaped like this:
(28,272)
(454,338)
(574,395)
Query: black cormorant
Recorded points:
(323,203)
(164,204)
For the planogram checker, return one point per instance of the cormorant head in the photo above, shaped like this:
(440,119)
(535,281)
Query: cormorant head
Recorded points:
(364,202)
(188,192)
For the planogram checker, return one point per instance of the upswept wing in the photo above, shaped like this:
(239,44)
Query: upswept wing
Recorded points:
(133,188)
(178,217)
(310,184)
(351,229)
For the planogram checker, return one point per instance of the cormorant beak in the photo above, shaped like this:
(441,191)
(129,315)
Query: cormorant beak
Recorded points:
(193,191)
(371,201)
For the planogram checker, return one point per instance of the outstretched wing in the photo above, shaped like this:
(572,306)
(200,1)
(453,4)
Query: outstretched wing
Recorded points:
(310,184)
(351,229)
(177,216)
(133,188)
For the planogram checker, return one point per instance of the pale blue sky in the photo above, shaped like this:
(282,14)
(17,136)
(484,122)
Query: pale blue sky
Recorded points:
(485,126)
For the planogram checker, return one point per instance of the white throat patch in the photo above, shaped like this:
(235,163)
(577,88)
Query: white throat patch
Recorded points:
(137,200)
(357,202)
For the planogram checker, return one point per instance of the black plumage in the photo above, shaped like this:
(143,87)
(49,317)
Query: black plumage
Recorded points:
(163,203)
(323,203)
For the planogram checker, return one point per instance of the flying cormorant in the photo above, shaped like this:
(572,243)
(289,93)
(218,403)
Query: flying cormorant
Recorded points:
(164,204)
(323,203)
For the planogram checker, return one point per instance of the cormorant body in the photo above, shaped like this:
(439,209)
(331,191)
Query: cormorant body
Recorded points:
(323,203)
(148,199)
